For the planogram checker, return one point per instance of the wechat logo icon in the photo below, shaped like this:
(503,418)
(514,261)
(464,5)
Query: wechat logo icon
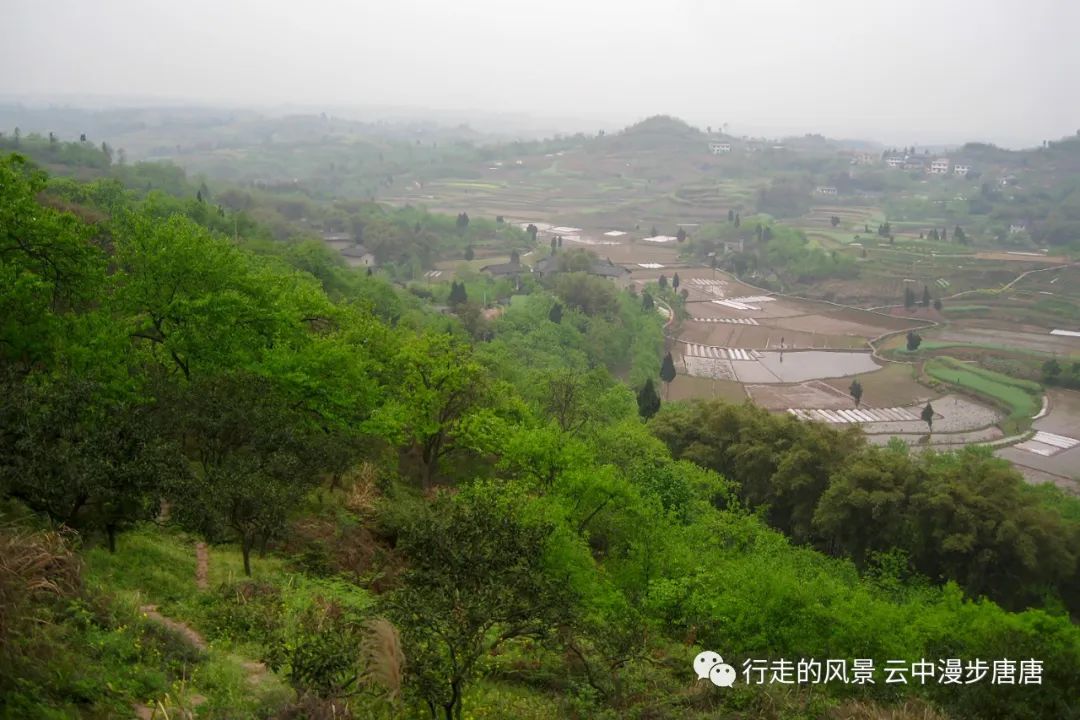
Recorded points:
(711,666)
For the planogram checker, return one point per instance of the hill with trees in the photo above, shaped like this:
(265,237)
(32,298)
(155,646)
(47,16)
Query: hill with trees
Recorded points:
(240,479)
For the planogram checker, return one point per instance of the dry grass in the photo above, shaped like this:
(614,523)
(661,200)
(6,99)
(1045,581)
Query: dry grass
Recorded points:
(361,491)
(33,564)
(910,710)
(384,660)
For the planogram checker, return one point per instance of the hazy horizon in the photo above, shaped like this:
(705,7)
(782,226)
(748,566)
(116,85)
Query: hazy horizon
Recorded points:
(893,73)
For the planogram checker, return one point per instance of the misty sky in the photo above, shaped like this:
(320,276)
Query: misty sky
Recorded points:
(900,71)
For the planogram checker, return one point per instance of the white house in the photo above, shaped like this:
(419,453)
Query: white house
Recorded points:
(1017,228)
(894,161)
(939,166)
(960,170)
(718,148)
(358,256)
(825,190)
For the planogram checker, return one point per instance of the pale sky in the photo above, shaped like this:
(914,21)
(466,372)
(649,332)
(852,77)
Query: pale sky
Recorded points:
(900,71)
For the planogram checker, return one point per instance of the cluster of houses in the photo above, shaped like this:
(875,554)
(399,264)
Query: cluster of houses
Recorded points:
(937,166)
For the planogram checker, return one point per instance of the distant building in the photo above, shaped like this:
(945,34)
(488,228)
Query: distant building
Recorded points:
(732,246)
(1015,228)
(358,256)
(961,170)
(601,268)
(939,166)
(338,241)
(913,162)
(864,158)
(825,190)
(719,148)
(510,269)
(894,161)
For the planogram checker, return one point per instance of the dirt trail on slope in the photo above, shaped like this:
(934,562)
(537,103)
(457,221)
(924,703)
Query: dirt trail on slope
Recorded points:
(256,671)
(202,566)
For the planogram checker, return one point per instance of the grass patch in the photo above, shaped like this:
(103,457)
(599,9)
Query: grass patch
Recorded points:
(1022,398)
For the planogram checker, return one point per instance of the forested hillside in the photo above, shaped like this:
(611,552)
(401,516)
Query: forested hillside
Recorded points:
(239,479)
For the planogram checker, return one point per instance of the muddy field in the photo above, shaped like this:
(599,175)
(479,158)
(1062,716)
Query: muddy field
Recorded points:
(1064,420)
(1040,341)
(814,394)
(892,385)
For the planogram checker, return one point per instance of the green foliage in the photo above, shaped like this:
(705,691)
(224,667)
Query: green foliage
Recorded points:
(477,577)
(958,516)
(648,400)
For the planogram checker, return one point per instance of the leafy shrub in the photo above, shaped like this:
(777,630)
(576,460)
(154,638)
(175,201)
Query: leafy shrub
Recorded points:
(248,610)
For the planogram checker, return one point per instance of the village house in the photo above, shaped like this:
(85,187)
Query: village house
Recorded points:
(508,269)
(961,170)
(825,190)
(358,256)
(939,166)
(718,148)
(338,241)
(894,161)
(913,162)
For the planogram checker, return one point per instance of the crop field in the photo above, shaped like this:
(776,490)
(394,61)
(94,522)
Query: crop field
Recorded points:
(1023,398)
(892,385)
(1062,468)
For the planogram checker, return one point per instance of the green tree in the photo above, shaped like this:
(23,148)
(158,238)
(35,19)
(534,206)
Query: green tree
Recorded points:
(909,298)
(927,416)
(458,295)
(937,304)
(914,340)
(647,303)
(478,576)
(83,457)
(667,372)
(556,313)
(436,386)
(1051,371)
(681,235)
(648,400)
(662,282)
(675,281)
(253,462)
(925,296)
(469,254)
(856,391)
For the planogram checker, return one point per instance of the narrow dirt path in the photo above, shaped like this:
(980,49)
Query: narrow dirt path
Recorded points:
(190,634)
(256,671)
(202,566)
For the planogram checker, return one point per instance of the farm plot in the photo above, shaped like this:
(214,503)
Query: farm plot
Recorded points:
(893,384)
(814,394)
(1061,426)
(981,334)
(1022,397)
